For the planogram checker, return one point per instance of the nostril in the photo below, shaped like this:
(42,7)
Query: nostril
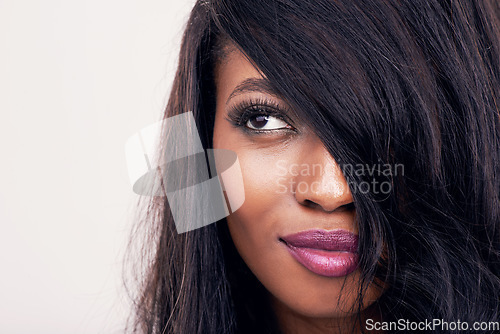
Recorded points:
(349,207)
(309,203)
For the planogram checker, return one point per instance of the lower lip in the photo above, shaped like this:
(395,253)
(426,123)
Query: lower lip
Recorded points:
(324,262)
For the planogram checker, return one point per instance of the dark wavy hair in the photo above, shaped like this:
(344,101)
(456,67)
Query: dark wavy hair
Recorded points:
(415,83)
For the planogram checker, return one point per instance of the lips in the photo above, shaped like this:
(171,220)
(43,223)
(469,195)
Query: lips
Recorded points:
(326,253)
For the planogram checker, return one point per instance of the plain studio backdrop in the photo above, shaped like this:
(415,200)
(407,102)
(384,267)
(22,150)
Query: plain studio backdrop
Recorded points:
(77,79)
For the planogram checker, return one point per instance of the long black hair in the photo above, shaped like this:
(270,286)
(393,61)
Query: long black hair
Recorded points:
(382,82)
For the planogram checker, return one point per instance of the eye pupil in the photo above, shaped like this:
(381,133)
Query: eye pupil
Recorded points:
(259,121)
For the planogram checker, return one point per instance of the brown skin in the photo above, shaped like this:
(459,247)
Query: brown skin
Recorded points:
(304,302)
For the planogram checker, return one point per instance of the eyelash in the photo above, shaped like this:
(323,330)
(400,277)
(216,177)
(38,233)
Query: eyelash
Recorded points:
(242,112)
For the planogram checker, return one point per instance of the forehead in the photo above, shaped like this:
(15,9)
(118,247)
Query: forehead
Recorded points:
(233,69)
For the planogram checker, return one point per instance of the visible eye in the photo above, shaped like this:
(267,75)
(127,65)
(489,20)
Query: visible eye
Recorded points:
(261,116)
(266,122)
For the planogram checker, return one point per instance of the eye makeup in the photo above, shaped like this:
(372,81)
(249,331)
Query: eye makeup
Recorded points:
(251,113)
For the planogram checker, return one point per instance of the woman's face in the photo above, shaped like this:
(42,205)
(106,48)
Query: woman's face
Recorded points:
(296,230)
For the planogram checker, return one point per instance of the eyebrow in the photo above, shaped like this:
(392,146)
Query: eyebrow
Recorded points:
(253,85)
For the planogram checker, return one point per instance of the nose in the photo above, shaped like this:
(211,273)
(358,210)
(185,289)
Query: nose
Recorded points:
(320,182)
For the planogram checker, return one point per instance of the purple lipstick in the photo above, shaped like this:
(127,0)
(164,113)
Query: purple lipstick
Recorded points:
(326,253)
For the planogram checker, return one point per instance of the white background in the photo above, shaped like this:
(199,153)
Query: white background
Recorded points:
(77,78)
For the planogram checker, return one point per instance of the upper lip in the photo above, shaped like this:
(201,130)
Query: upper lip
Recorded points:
(336,240)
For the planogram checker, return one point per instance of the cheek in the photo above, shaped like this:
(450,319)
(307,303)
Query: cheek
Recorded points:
(261,179)
(255,226)
(254,223)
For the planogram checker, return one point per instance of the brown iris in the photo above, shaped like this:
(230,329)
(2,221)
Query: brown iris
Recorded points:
(259,121)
